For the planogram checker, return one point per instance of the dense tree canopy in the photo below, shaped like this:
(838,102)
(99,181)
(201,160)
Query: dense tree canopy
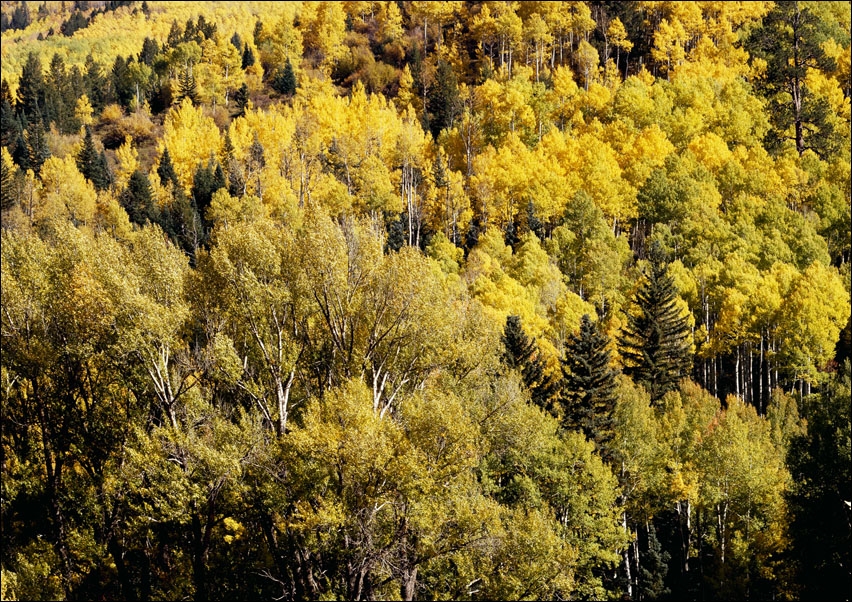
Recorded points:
(298,300)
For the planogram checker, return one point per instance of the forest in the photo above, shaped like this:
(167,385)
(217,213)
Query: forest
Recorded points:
(426,300)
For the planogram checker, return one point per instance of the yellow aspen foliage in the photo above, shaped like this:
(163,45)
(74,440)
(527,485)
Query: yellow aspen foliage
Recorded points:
(324,24)
(710,151)
(64,193)
(405,94)
(812,315)
(589,62)
(127,159)
(192,140)
(390,21)
(83,110)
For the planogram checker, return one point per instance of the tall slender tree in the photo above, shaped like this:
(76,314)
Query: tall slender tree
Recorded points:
(588,386)
(656,343)
(522,354)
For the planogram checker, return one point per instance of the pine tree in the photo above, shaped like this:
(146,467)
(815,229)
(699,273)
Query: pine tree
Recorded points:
(241,99)
(175,36)
(37,149)
(653,567)
(10,127)
(31,87)
(89,163)
(205,183)
(588,390)
(522,354)
(150,50)
(656,343)
(138,201)
(285,81)
(248,57)
(166,170)
(187,87)
(7,175)
(443,103)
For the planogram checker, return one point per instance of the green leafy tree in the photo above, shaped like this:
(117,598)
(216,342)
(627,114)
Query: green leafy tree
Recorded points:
(656,343)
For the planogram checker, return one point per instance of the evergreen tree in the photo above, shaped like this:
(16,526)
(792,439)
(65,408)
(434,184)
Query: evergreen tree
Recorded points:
(37,149)
(10,127)
(443,102)
(522,354)
(166,170)
(138,200)
(175,36)
(248,57)
(58,106)
(150,50)
(285,81)
(21,17)
(790,40)
(187,87)
(98,87)
(588,389)
(20,155)
(7,175)
(653,567)
(241,99)
(31,87)
(820,464)
(122,82)
(656,343)
(205,183)
(89,163)
(237,42)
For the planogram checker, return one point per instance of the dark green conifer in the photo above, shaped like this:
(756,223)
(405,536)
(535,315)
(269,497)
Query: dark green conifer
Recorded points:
(588,390)
(285,81)
(241,99)
(166,170)
(187,87)
(138,200)
(248,57)
(656,344)
(89,162)
(443,102)
(31,87)
(522,354)
(36,144)
(7,175)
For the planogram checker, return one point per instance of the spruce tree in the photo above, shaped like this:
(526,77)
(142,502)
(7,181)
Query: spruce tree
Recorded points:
(138,200)
(656,343)
(248,57)
(7,175)
(588,389)
(89,163)
(187,87)
(241,99)
(285,81)
(443,103)
(522,354)
(166,170)
(37,149)
(31,87)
